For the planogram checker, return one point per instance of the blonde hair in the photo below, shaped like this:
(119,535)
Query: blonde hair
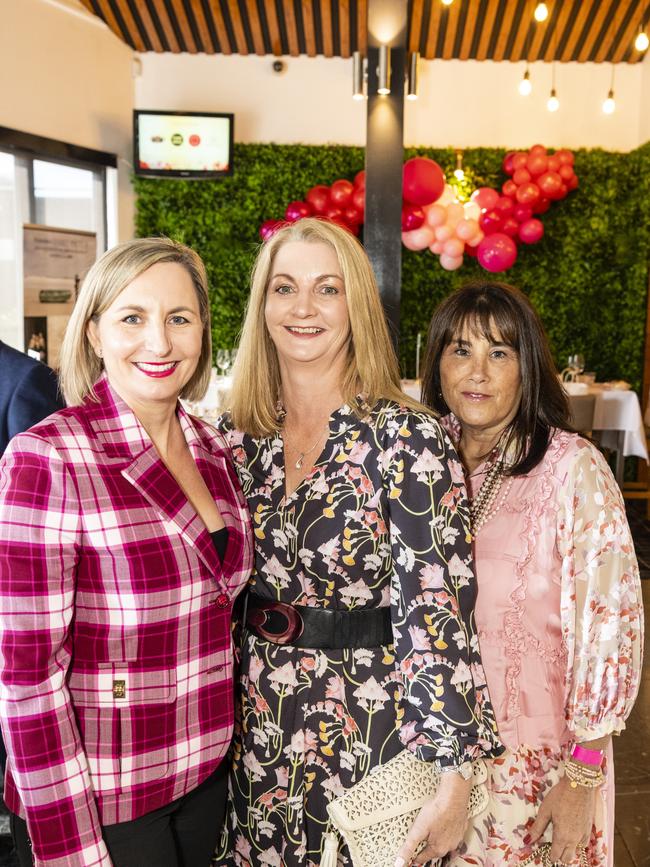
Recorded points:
(371,367)
(80,367)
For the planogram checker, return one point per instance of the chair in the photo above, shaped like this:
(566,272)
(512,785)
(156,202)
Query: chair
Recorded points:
(640,490)
(582,412)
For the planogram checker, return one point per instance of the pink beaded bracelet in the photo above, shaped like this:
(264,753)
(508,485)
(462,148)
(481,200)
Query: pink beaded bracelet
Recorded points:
(587,757)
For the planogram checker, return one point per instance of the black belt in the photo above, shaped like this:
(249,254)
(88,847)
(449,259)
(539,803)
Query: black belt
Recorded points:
(317,628)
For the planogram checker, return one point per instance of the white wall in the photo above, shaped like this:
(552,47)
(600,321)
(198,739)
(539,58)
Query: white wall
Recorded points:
(461,104)
(66,77)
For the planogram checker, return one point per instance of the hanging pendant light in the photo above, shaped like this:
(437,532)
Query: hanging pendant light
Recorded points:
(642,42)
(609,105)
(541,12)
(525,85)
(553,102)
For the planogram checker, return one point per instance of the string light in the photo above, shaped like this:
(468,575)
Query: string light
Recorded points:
(553,102)
(541,12)
(525,86)
(641,42)
(459,172)
(447,2)
(609,106)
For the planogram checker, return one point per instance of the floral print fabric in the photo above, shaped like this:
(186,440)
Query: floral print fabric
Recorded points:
(560,622)
(381,520)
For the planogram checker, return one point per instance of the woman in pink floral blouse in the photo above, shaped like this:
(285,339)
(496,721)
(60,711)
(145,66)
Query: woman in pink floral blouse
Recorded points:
(559,606)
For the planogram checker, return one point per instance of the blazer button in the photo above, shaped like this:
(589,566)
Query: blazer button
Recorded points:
(222,600)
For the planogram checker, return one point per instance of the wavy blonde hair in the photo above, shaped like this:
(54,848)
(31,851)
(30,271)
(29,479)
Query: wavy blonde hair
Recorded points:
(80,368)
(371,363)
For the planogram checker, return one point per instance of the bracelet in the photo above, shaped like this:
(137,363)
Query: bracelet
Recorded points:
(587,757)
(579,775)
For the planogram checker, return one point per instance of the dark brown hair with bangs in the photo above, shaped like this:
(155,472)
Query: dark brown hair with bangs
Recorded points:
(498,310)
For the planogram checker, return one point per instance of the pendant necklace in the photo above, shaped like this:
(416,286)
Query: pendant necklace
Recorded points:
(303,455)
(483,506)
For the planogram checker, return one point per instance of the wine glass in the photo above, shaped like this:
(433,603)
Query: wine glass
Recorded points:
(223,360)
(576,364)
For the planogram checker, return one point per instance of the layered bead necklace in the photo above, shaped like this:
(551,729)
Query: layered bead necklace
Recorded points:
(485,504)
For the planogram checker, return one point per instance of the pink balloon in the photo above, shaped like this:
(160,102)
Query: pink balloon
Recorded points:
(455,212)
(504,206)
(450,263)
(435,215)
(531,231)
(412,217)
(269,228)
(437,247)
(497,253)
(522,213)
(490,222)
(444,233)
(454,247)
(423,181)
(467,229)
(418,239)
(476,240)
(485,197)
(507,162)
(510,227)
(472,211)
(298,210)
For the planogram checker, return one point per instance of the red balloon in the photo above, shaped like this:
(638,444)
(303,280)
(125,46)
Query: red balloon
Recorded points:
(341,193)
(485,197)
(334,214)
(297,210)
(507,166)
(527,194)
(412,217)
(521,176)
(537,150)
(509,188)
(542,205)
(490,222)
(531,231)
(565,157)
(423,181)
(550,183)
(522,213)
(269,228)
(519,161)
(319,198)
(565,172)
(553,164)
(360,179)
(470,251)
(497,252)
(359,200)
(572,183)
(510,227)
(537,164)
(352,216)
(505,206)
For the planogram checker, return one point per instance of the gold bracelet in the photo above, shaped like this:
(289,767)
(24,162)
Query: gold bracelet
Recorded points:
(579,775)
(543,853)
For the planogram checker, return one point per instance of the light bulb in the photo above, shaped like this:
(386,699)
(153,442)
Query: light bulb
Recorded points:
(447,2)
(609,106)
(541,12)
(525,87)
(553,102)
(459,174)
(641,42)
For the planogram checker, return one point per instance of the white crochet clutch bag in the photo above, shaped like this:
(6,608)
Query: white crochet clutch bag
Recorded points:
(375,815)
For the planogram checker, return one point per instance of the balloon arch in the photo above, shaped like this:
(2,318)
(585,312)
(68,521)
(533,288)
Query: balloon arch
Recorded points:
(488,226)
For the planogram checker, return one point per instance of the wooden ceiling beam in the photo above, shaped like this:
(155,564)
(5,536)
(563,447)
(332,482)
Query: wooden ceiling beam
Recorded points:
(202,26)
(256,27)
(417,10)
(453,13)
(184,26)
(326,27)
(309,28)
(344,28)
(486,33)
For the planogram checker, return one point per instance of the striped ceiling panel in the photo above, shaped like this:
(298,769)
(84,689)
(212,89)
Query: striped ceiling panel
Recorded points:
(575,30)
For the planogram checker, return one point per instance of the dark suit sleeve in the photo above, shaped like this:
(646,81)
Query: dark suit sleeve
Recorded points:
(34,398)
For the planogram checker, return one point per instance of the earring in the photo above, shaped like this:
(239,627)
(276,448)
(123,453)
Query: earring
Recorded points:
(98,351)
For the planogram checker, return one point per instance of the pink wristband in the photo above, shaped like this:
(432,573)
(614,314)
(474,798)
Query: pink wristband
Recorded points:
(587,757)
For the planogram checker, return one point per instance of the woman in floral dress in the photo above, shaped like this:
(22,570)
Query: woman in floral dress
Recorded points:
(559,607)
(359,635)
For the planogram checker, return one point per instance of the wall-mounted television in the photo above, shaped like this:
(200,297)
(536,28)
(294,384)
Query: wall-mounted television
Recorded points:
(182,144)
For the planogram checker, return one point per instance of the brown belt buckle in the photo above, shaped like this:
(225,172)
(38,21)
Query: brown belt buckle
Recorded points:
(294,628)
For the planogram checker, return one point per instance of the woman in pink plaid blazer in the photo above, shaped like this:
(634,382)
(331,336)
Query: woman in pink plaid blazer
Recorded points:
(124,539)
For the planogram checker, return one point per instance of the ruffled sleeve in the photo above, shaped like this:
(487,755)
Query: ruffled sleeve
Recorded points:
(601,602)
(446,714)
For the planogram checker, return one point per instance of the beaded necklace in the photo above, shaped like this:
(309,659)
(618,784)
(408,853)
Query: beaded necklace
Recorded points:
(485,504)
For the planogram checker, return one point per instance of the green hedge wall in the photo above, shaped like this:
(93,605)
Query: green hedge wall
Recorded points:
(588,276)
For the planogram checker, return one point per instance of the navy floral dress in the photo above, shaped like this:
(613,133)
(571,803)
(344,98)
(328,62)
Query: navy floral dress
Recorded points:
(381,520)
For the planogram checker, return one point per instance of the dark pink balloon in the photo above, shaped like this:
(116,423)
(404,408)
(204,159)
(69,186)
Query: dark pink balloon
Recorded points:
(497,252)
(531,231)
(423,181)
(522,213)
(269,228)
(542,205)
(490,222)
(550,183)
(297,210)
(485,197)
(507,166)
(505,206)
(412,217)
(510,227)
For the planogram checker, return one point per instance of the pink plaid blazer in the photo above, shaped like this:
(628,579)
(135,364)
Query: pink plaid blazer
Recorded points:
(116,682)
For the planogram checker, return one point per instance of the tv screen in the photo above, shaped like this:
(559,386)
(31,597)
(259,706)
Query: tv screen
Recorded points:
(181,144)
